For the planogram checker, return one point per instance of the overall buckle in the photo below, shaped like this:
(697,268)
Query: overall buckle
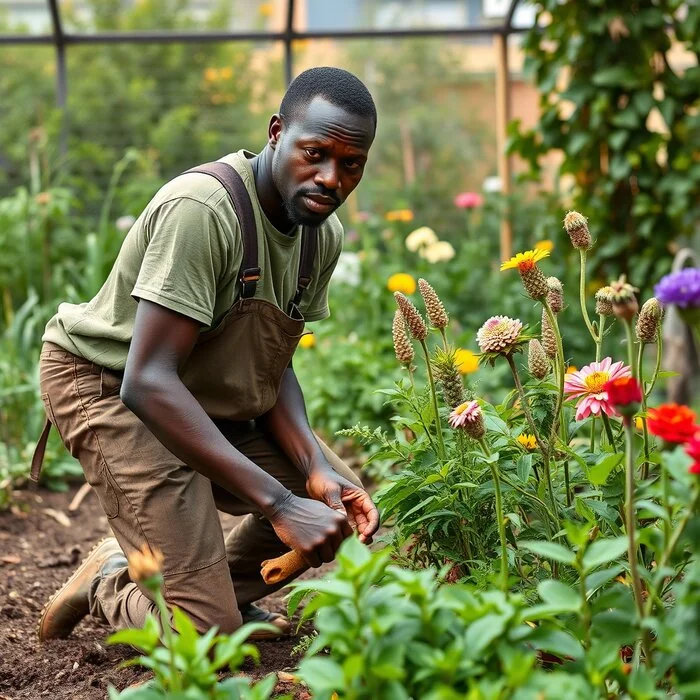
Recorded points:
(248,280)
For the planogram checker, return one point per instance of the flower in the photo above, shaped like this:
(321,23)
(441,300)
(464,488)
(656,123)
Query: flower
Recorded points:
(145,564)
(441,251)
(43,198)
(308,340)
(692,449)
(533,278)
(529,442)
(624,302)
(537,360)
(681,288)
(499,334)
(412,316)
(421,237)
(265,9)
(576,226)
(444,365)
(211,74)
(401,282)
(466,360)
(402,345)
(625,394)
(571,369)
(546,245)
(639,423)
(672,422)
(469,417)
(433,306)
(468,200)
(603,301)
(648,320)
(588,384)
(555,294)
(348,270)
(399,215)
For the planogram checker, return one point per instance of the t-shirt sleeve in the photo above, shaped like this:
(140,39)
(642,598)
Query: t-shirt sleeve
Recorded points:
(186,253)
(318,306)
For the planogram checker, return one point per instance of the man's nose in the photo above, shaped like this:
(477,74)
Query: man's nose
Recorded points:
(327,176)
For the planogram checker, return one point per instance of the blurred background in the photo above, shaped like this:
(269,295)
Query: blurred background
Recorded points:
(495,118)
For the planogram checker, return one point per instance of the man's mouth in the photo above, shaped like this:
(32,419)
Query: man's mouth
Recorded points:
(319,203)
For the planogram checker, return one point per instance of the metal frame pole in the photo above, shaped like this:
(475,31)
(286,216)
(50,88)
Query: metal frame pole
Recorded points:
(288,39)
(61,73)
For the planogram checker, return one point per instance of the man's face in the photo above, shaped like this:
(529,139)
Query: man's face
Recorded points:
(319,158)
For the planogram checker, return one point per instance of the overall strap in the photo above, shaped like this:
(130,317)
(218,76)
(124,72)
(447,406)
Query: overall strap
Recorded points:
(249,273)
(309,239)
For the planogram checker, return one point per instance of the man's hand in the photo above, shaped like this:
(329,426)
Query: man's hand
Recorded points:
(326,485)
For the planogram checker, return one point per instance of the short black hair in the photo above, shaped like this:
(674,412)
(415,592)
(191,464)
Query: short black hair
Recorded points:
(336,85)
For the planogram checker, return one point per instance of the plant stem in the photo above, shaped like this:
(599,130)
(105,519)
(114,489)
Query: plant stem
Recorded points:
(168,636)
(562,370)
(645,431)
(585,608)
(654,377)
(592,445)
(438,426)
(608,428)
(630,349)
(599,342)
(582,296)
(631,525)
(499,516)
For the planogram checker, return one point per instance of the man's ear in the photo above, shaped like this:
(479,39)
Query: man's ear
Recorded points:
(274,130)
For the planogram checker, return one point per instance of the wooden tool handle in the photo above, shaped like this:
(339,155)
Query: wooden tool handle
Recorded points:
(275,570)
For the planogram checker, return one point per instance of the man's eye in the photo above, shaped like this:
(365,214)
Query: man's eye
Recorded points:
(312,153)
(353,164)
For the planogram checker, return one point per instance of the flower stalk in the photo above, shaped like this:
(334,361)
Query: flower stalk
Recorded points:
(433,394)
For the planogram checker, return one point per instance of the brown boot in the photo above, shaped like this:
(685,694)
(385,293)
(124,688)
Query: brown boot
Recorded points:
(252,613)
(69,604)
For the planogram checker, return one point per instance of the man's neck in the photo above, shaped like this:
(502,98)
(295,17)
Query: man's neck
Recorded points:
(269,197)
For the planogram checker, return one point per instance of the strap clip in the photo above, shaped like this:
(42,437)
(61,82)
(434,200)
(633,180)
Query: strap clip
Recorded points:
(248,280)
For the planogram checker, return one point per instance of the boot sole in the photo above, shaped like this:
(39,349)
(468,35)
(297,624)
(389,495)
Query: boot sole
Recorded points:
(65,585)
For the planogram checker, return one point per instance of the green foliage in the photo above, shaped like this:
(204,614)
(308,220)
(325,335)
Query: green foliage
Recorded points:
(624,120)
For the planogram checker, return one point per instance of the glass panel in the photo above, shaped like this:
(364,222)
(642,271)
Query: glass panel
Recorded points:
(319,15)
(174,15)
(25,17)
(525,15)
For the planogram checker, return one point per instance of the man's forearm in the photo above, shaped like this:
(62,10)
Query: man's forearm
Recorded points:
(288,424)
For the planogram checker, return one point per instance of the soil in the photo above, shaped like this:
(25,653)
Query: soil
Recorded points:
(41,543)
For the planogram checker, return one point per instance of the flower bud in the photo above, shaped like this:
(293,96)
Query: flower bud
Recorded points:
(537,360)
(576,226)
(402,345)
(433,306)
(412,316)
(603,301)
(145,564)
(649,319)
(555,294)
(548,337)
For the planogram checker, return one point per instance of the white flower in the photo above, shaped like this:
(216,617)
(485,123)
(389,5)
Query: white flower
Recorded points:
(440,251)
(124,223)
(348,269)
(420,238)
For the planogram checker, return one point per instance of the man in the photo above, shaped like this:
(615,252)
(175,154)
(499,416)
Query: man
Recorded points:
(174,386)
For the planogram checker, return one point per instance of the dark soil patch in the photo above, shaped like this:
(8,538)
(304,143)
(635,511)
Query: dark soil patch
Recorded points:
(37,554)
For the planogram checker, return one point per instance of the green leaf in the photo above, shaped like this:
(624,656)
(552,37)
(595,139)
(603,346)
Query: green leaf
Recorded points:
(321,674)
(549,550)
(598,579)
(603,551)
(598,475)
(615,76)
(557,642)
(557,593)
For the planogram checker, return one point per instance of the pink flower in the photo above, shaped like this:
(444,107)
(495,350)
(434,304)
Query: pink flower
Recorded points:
(469,412)
(468,200)
(588,384)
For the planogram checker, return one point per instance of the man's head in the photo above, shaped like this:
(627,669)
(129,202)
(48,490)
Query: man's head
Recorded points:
(321,138)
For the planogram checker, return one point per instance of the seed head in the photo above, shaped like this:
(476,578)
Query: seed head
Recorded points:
(555,294)
(648,320)
(450,378)
(576,226)
(402,344)
(549,339)
(412,316)
(603,301)
(537,360)
(433,306)
(535,282)
(624,302)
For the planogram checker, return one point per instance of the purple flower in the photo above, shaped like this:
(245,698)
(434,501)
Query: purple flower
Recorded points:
(681,288)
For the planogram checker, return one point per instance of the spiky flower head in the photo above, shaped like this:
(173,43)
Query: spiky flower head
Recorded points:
(533,278)
(499,335)
(624,302)
(447,372)
(537,360)
(555,295)
(548,337)
(402,345)
(528,441)
(433,306)
(576,226)
(412,316)
(648,320)
(468,417)
(603,301)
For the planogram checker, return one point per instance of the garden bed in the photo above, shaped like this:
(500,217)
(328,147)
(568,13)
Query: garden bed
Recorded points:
(37,554)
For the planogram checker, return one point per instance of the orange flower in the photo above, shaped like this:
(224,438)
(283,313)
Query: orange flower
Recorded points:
(672,423)
(308,340)
(399,215)
(525,261)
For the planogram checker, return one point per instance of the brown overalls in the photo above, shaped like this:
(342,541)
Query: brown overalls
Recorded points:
(148,494)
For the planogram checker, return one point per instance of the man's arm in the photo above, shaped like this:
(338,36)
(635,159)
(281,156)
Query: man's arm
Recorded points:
(162,341)
(288,424)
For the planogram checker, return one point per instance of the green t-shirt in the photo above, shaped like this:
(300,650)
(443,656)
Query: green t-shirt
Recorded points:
(184,252)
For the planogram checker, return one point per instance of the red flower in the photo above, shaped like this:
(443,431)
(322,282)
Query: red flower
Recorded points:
(672,422)
(692,449)
(625,394)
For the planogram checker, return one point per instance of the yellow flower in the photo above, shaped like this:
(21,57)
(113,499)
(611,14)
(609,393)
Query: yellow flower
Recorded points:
(401,282)
(308,340)
(265,9)
(399,215)
(571,369)
(546,245)
(145,563)
(421,237)
(226,73)
(466,360)
(527,441)
(639,423)
(211,74)
(525,261)
(442,251)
